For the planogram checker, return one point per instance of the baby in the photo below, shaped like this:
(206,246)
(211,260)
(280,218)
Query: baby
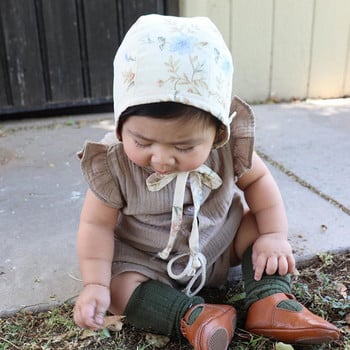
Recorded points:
(163,216)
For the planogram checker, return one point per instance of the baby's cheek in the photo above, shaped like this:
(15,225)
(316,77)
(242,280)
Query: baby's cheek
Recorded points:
(191,163)
(135,155)
(139,160)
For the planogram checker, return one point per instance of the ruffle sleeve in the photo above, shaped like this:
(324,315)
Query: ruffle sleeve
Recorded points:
(96,168)
(242,136)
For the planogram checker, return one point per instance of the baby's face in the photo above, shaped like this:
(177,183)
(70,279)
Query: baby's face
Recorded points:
(167,145)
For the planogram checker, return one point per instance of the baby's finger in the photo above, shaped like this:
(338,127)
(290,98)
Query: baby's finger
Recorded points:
(99,318)
(259,267)
(77,317)
(87,316)
(271,265)
(282,266)
(84,318)
(291,264)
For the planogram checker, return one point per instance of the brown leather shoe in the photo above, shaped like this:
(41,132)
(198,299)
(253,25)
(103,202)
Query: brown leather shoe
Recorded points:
(265,318)
(213,329)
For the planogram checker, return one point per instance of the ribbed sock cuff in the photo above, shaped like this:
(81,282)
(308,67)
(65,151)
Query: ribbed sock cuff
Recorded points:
(158,308)
(268,285)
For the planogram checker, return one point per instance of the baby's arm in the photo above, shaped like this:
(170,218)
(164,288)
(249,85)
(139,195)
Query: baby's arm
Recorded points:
(271,251)
(95,252)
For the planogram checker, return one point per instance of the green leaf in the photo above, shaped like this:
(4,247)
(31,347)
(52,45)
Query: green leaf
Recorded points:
(282,346)
(236,297)
(104,333)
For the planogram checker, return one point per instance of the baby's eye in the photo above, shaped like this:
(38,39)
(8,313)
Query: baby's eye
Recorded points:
(140,145)
(184,149)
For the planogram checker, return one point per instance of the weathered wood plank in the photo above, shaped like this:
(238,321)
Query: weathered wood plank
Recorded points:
(63,50)
(56,54)
(132,9)
(171,7)
(5,88)
(23,54)
(102,43)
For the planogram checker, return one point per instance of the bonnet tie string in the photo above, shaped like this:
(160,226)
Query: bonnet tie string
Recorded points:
(196,265)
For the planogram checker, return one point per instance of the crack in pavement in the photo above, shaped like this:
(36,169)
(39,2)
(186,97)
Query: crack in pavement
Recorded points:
(303,183)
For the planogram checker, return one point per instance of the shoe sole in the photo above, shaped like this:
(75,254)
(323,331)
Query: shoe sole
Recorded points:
(312,341)
(293,339)
(220,339)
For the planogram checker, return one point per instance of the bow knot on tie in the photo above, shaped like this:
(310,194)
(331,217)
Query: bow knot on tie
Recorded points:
(196,265)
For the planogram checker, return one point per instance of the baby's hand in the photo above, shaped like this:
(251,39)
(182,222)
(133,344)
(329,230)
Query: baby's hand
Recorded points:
(91,306)
(271,253)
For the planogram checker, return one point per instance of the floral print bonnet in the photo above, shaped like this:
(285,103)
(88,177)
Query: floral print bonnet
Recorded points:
(174,59)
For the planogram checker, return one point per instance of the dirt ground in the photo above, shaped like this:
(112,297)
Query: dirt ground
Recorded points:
(323,286)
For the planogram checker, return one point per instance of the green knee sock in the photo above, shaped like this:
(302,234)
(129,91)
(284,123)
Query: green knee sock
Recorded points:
(268,285)
(158,308)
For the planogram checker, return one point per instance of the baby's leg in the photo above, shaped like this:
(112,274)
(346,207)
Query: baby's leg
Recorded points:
(246,235)
(272,310)
(159,308)
(149,305)
(122,288)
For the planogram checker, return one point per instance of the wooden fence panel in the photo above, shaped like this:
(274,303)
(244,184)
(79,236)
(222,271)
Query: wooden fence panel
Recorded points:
(330,48)
(292,39)
(22,52)
(3,96)
(251,46)
(4,80)
(347,71)
(59,53)
(283,49)
(102,41)
(132,9)
(61,48)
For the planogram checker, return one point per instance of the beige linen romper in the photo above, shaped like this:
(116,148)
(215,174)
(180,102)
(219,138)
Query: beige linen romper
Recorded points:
(144,220)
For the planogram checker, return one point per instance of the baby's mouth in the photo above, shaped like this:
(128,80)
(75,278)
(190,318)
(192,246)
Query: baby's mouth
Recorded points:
(163,172)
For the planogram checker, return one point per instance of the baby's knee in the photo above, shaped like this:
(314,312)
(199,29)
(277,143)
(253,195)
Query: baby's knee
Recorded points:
(122,287)
(246,235)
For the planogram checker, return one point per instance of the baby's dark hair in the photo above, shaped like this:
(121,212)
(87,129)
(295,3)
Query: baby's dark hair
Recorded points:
(169,110)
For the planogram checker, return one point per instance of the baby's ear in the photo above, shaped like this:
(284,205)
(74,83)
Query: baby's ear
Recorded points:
(220,136)
(118,134)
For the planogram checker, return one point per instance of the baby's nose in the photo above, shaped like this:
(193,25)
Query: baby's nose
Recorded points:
(163,159)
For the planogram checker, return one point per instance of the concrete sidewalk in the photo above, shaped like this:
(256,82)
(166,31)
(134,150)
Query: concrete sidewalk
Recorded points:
(306,145)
